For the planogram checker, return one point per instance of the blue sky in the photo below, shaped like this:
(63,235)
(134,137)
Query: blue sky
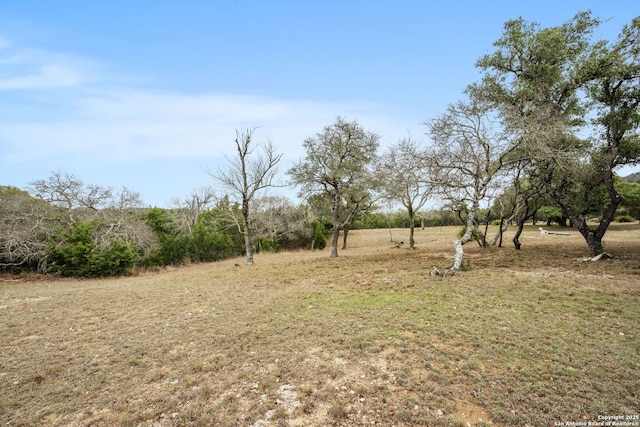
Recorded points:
(148,94)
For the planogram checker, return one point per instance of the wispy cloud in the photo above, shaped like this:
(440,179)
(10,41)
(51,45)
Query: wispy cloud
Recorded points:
(86,114)
(119,125)
(25,68)
(66,112)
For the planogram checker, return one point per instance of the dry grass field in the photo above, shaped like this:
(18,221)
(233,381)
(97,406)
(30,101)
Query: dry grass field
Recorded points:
(536,337)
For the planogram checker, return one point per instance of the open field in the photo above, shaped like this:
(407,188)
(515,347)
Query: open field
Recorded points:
(524,338)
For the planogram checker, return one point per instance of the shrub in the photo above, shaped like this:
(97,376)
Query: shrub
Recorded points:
(319,240)
(207,244)
(114,260)
(208,240)
(269,245)
(625,218)
(77,255)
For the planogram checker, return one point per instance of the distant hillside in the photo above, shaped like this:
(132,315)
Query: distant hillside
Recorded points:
(634,177)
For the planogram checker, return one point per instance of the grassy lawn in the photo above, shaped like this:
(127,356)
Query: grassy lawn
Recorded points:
(523,338)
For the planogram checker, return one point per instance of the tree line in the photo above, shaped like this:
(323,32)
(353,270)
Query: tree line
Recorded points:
(63,226)
(540,136)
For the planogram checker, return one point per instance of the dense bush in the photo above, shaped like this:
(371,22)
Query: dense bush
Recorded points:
(625,218)
(208,244)
(319,239)
(208,239)
(372,220)
(77,254)
(172,249)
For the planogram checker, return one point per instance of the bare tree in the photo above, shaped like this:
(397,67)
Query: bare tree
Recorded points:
(195,203)
(276,218)
(115,214)
(403,176)
(25,225)
(28,224)
(122,221)
(467,158)
(245,176)
(66,191)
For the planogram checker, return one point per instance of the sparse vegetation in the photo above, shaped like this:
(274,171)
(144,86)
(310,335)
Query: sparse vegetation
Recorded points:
(527,337)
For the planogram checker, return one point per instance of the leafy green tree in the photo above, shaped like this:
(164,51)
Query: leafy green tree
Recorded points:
(223,216)
(337,165)
(174,243)
(551,214)
(159,220)
(630,194)
(546,82)
(117,215)
(208,244)
(371,220)
(116,259)
(441,218)
(354,206)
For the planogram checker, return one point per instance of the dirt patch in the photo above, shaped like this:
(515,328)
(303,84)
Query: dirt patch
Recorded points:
(470,413)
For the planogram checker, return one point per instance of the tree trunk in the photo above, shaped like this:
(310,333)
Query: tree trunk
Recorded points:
(247,237)
(592,237)
(563,221)
(501,231)
(412,227)
(248,246)
(484,235)
(459,256)
(412,242)
(389,224)
(466,237)
(594,243)
(334,242)
(504,224)
(516,238)
(335,213)
(345,232)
